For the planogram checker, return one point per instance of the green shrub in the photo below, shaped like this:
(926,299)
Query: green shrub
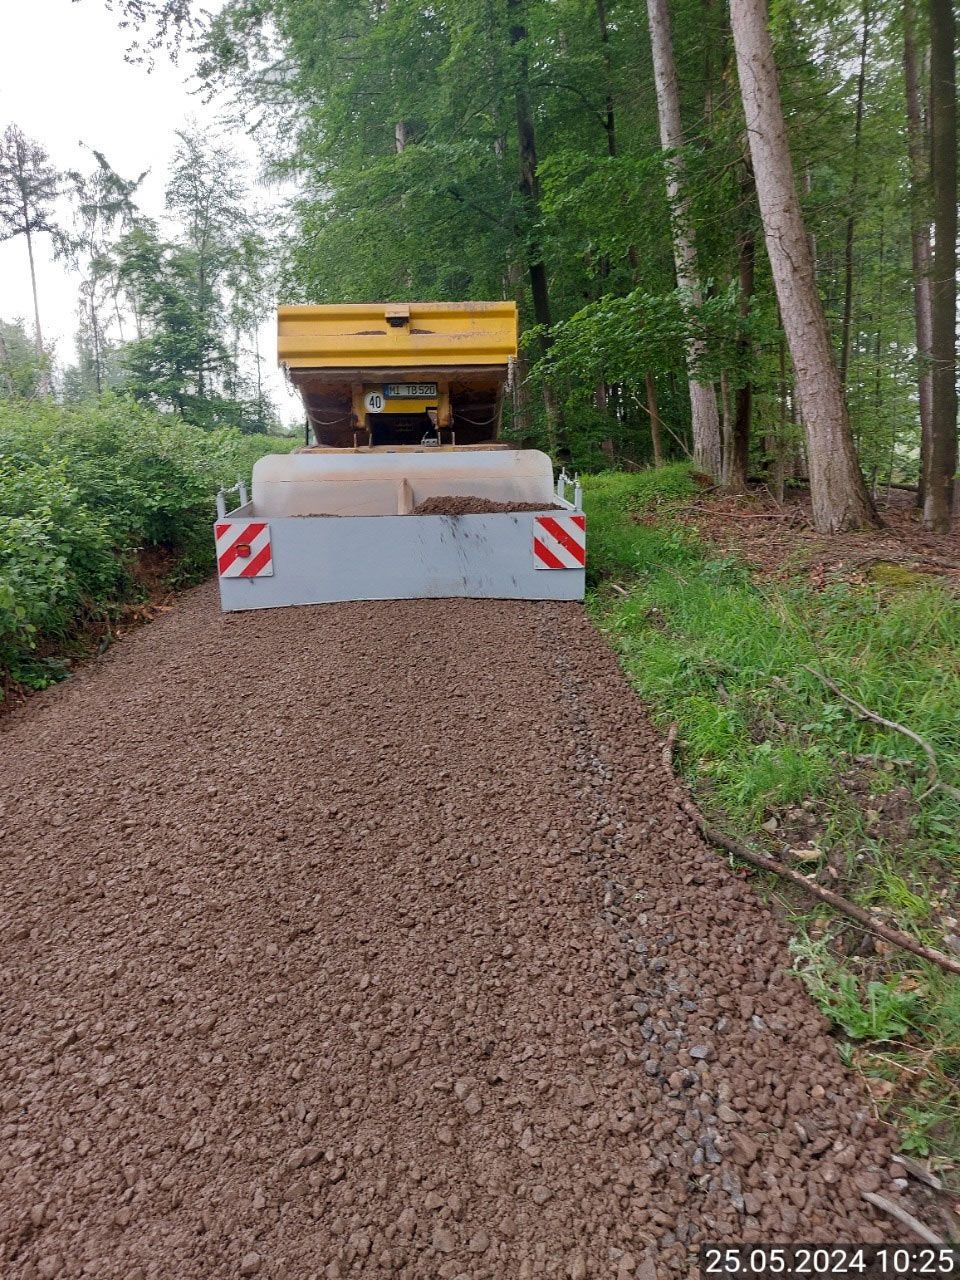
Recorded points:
(82,489)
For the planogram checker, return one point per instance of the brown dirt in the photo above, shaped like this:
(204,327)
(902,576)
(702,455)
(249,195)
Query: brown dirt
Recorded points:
(369,940)
(780,541)
(467,506)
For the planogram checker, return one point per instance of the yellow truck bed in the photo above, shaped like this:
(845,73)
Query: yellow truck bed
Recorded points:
(395,373)
(410,336)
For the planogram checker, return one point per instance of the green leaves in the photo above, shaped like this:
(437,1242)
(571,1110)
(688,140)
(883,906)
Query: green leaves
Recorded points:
(623,339)
(81,489)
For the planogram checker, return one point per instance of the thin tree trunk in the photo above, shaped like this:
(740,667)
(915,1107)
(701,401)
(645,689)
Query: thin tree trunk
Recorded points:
(779,450)
(877,366)
(521,397)
(919,234)
(256,348)
(95,331)
(854,193)
(726,422)
(37,333)
(656,430)
(808,191)
(839,496)
(736,454)
(530,193)
(5,367)
(703,397)
(610,123)
(938,500)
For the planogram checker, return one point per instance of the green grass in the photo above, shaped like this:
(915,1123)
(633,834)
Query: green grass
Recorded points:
(723,654)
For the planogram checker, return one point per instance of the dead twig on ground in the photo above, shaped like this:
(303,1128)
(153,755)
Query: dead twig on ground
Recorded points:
(933,767)
(919,1171)
(896,937)
(905,1219)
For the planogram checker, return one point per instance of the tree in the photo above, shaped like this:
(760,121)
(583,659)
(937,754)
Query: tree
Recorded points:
(530,201)
(853,198)
(938,495)
(419,177)
(196,295)
(29,185)
(703,398)
(917,150)
(104,209)
(22,371)
(839,495)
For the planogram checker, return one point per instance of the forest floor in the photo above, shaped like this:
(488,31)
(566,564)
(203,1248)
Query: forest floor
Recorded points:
(371,939)
(778,539)
(722,610)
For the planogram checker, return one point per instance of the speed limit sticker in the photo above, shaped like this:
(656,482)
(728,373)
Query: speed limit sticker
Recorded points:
(373,401)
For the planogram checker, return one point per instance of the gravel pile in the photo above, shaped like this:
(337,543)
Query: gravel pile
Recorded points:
(467,506)
(366,940)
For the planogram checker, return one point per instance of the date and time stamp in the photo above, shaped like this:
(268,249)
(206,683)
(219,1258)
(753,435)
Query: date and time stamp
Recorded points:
(829,1262)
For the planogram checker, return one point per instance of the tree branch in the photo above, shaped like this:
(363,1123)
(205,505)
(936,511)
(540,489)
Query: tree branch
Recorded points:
(896,937)
(933,768)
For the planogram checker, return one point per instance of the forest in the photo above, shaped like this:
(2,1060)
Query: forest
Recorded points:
(731,233)
(619,169)
(166,315)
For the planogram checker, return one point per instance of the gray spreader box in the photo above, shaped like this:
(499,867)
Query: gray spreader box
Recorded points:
(322,559)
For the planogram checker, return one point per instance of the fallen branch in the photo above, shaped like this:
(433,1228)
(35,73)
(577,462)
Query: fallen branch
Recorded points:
(933,768)
(905,1219)
(918,1171)
(896,937)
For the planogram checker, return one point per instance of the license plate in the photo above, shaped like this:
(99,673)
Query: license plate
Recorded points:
(410,390)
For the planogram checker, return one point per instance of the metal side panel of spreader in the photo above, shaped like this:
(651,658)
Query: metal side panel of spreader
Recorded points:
(271,562)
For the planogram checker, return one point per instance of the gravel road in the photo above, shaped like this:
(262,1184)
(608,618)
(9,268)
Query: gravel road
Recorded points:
(368,940)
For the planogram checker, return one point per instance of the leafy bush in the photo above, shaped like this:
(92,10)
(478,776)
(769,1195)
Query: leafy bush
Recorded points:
(82,488)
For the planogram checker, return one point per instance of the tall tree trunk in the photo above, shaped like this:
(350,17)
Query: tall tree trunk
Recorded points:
(530,193)
(703,397)
(778,452)
(919,232)
(520,402)
(256,350)
(878,371)
(938,499)
(656,431)
(5,367)
(95,331)
(839,495)
(736,454)
(610,122)
(726,421)
(45,385)
(854,193)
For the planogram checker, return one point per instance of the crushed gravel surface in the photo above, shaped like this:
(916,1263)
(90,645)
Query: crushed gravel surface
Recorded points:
(467,506)
(367,940)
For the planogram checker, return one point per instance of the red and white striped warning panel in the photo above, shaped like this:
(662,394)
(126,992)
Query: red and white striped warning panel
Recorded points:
(560,542)
(243,549)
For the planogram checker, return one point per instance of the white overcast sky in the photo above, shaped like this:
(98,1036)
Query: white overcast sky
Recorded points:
(65,82)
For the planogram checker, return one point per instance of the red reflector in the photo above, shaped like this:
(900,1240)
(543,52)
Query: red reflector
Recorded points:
(243,550)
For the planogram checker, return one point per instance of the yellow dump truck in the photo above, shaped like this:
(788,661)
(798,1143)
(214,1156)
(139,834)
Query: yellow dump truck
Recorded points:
(406,490)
